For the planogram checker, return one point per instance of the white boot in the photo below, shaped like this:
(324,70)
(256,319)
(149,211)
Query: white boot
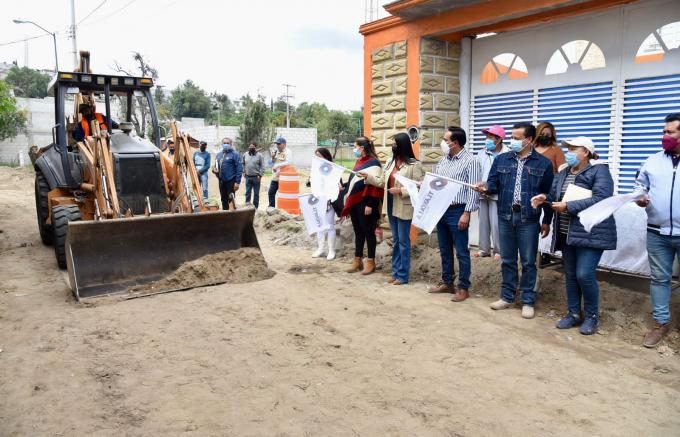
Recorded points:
(331,247)
(320,248)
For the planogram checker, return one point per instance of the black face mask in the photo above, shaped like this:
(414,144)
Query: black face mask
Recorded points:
(252,151)
(202,148)
(544,140)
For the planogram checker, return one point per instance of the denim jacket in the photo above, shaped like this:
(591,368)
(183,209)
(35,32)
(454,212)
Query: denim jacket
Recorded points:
(537,177)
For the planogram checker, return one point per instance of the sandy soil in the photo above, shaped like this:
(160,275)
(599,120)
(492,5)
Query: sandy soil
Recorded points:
(310,351)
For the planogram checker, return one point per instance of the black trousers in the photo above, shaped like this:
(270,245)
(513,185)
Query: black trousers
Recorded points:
(364,229)
(226,189)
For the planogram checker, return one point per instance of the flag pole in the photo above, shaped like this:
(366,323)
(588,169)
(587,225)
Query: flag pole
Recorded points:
(465,184)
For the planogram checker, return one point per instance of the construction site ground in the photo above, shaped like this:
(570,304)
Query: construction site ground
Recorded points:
(309,351)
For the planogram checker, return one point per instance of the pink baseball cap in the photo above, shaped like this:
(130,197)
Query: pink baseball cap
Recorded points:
(496,129)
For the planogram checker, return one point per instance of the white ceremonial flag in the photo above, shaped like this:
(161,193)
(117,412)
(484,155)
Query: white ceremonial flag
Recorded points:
(599,212)
(325,178)
(314,212)
(435,196)
(410,185)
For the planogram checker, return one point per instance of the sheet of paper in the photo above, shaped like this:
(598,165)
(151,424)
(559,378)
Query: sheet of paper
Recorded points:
(574,192)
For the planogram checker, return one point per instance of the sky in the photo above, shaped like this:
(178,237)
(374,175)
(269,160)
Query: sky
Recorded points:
(231,46)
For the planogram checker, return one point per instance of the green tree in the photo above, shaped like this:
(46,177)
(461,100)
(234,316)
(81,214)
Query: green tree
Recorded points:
(309,114)
(27,82)
(223,111)
(256,124)
(12,119)
(189,100)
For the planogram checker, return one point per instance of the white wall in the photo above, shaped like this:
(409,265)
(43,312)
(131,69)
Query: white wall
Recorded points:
(40,114)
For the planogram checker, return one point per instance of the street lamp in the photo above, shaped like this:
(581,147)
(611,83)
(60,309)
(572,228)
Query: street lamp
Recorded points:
(54,39)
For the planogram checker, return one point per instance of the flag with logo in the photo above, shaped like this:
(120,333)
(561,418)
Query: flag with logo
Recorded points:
(602,210)
(314,212)
(325,178)
(435,196)
(410,185)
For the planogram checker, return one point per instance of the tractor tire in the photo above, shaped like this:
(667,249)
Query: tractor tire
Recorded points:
(61,216)
(42,208)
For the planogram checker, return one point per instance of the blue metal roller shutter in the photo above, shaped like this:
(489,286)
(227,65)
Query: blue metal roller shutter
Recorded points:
(505,109)
(580,110)
(646,102)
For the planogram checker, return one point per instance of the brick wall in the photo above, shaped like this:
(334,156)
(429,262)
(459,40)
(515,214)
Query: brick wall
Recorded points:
(388,95)
(439,94)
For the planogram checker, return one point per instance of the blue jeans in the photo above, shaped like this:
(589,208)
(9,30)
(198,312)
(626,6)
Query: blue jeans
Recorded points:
(450,236)
(580,264)
(273,188)
(662,250)
(204,184)
(253,186)
(401,239)
(515,237)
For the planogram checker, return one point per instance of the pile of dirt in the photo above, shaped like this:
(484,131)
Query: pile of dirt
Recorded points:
(284,229)
(232,267)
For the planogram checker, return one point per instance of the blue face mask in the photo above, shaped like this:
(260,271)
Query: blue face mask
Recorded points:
(516,145)
(490,145)
(226,147)
(357,153)
(571,158)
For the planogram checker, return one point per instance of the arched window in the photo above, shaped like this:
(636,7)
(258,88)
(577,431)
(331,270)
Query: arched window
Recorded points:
(659,43)
(578,54)
(507,65)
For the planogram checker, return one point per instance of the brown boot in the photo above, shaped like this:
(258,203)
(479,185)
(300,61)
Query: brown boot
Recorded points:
(369,267)
(460,295)
(357,265)
(655,336)
(441,288)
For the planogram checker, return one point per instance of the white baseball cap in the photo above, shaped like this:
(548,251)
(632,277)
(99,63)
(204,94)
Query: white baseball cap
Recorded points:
(584,142)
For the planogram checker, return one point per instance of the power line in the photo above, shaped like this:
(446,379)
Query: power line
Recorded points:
(92,12)
(114,12)
(27,39)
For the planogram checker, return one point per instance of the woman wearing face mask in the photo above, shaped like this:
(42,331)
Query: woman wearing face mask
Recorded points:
(546,145)
(324,153)
(488,204)
(362,203)
(581,251)
(398,203)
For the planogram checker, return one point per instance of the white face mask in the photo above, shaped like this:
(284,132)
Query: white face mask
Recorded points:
(445,147)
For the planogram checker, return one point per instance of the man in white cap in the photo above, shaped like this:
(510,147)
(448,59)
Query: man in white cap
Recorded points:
(280,158)
(488,208)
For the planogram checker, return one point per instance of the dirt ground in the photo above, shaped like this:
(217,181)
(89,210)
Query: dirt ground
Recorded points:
(314,351)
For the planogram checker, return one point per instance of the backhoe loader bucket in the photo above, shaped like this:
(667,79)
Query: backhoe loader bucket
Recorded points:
(111,256)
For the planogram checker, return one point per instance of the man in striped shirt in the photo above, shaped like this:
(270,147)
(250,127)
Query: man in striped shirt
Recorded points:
(458,164)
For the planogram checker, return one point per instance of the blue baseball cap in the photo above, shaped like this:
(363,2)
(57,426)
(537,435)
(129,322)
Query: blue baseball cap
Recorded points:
(280,140)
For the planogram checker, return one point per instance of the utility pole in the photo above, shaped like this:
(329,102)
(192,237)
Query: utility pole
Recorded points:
(72,35)
(288,95)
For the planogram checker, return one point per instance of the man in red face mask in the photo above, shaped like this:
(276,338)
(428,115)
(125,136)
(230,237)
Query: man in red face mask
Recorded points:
(659,177)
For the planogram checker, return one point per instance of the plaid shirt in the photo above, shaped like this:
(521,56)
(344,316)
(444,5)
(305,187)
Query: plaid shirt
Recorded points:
(465,168)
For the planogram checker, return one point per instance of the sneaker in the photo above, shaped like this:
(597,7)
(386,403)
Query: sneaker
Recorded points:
(497,257)
(569,321)
(655,336)
(500,304)
(589,326)
(480,254)
(319,253)
(527,312)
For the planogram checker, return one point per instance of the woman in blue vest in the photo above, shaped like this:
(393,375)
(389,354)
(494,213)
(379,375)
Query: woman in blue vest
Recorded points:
(581,250)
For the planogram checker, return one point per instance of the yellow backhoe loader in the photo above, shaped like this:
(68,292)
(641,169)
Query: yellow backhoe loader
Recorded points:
(119,212)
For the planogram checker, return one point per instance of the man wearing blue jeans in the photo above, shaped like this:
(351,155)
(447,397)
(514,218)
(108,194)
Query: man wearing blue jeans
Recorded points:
(659,177)
(458,164)
(516,177)
(202,163)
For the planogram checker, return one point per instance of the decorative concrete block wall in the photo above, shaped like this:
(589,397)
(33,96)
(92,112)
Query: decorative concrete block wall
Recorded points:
(388,95)
(439,94)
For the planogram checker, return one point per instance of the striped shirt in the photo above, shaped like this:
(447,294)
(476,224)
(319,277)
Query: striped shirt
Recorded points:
(465,168)
(517,193)
(564,218)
